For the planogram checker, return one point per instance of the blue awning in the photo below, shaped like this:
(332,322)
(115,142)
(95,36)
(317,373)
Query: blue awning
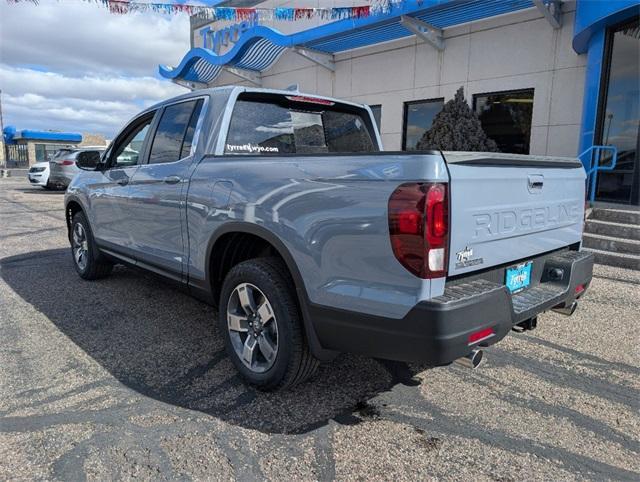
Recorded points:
(28,134)
(259,48)
(592,17)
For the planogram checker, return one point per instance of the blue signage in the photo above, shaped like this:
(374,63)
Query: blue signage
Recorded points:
(214,39)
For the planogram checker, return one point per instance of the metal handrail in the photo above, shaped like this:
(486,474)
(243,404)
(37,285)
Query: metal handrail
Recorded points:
(594,166)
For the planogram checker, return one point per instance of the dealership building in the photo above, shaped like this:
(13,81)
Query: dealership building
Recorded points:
(545,77)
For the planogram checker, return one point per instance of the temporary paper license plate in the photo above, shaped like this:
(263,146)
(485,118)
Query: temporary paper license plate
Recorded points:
(518,277)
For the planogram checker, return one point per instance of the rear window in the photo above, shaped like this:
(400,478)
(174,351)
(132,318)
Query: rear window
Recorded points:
(62,153)
(276,125)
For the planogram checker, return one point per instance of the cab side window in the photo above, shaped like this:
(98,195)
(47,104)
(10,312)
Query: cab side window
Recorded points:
(128,150)
(174,135)
(191,129)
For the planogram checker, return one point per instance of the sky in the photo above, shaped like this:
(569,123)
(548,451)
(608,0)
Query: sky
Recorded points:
(72,66)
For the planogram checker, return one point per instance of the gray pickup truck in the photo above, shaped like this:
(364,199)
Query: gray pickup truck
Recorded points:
(280,209)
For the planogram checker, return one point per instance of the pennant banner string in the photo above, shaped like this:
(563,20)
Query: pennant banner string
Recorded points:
(122,7)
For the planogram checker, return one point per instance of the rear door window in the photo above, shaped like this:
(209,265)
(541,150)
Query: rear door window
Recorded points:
(274,125)
(170,134)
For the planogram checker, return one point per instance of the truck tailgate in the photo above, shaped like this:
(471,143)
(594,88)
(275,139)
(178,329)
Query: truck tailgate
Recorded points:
(506,207)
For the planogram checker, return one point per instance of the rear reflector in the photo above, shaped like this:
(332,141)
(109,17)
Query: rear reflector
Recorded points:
(480,335)
(579,289)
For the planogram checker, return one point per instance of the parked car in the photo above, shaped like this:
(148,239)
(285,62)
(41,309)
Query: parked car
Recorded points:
(280,208)
(62,168)
(39,174)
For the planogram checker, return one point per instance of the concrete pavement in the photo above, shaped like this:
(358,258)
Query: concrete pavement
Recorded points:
(126,377)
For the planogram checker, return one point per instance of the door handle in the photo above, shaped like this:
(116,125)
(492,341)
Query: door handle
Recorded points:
(123,181)
(535,183)
(172,179)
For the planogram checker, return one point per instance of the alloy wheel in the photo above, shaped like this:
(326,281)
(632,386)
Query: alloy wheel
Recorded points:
(80,246)
(252,327)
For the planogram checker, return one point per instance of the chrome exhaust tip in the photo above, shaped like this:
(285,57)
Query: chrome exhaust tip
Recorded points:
(472,360)
(568,310)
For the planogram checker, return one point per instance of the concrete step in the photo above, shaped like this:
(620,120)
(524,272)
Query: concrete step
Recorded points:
(615,230)
(619,260)
(616,216)
(611,244)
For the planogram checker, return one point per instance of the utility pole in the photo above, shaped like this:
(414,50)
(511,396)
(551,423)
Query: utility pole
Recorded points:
(3,161)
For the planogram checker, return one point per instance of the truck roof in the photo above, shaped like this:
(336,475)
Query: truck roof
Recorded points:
(234,90)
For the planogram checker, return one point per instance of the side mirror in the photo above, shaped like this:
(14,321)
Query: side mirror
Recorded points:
(88,160)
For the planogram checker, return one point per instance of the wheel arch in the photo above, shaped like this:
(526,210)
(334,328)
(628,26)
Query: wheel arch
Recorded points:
(216,268)
(72,206)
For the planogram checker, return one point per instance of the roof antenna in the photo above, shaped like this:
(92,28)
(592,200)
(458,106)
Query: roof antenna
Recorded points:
(293,88)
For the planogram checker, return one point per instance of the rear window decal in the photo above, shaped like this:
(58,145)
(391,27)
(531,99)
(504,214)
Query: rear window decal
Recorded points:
(251,148)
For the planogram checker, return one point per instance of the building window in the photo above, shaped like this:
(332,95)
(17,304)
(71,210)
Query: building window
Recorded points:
(45,152)
(418,117)
(506,118)
(376,110)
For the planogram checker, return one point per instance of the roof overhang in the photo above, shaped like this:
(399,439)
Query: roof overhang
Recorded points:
(27,134)
(259,48)
(593,17)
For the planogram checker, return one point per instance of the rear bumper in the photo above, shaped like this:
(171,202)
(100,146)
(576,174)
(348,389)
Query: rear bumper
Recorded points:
(38,179)
(61,175)
(59,180)
(437,331)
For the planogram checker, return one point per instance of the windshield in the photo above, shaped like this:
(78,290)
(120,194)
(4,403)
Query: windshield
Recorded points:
(278,125)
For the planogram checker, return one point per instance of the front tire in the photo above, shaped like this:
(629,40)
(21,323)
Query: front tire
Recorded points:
(90,264)
(262,326)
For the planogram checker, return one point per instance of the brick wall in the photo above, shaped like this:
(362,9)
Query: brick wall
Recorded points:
(89,139)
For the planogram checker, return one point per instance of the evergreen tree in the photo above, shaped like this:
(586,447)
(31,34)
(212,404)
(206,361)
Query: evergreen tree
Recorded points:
(457,128)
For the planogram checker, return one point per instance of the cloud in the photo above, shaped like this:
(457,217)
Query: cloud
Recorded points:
(77,37)
(50,84)
(73,66)
(47,100)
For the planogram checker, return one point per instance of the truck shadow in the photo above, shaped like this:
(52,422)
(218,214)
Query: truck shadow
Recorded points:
(166,345)
(40,191)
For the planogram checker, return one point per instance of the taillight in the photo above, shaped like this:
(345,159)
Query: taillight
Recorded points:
(419,228)
(66,162)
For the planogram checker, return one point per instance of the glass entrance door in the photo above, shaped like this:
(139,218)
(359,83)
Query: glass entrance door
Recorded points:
(619,116)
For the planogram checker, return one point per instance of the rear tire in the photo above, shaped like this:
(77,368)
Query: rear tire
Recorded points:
(89,263)
(262,325)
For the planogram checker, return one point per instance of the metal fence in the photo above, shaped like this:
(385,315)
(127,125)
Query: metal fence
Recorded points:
(18,155)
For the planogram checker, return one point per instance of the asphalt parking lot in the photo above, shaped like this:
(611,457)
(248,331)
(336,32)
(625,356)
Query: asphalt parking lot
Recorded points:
(127,377)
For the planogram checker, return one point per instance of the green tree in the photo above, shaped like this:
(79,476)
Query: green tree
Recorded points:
(457,128)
